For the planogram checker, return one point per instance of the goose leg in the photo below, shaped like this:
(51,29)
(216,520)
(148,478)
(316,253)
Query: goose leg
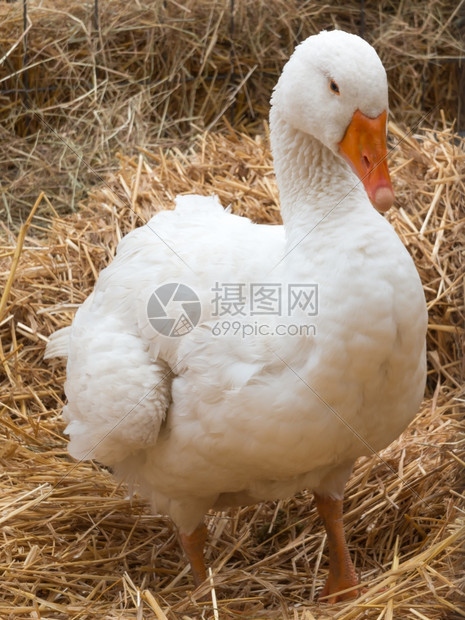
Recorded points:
(193,545)
(341,570)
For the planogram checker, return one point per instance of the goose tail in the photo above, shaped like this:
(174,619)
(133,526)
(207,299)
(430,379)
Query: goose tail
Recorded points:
(58,344)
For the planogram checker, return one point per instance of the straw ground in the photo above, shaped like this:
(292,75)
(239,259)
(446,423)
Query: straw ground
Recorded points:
(74,546)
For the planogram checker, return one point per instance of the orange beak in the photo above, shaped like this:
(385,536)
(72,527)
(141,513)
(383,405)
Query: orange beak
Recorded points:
(364,148)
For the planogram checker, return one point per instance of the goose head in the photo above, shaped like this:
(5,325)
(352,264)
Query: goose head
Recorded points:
(334,88)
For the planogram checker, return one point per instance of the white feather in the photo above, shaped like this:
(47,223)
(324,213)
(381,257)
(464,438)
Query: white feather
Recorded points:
(58,343)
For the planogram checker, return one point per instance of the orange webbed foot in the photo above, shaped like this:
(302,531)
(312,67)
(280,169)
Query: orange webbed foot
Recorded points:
(334,586)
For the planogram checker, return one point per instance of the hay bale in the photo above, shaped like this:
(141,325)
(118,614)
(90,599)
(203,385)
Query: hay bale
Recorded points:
(72,544)
(139,73)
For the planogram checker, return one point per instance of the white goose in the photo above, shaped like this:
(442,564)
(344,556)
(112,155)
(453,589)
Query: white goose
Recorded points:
(224,416)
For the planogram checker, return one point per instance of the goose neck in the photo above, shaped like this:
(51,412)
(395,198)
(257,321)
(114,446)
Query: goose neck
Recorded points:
(316,186)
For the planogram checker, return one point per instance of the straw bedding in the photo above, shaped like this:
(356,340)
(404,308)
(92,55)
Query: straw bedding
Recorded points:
(72,544)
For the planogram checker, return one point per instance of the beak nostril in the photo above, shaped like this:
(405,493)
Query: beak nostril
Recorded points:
(366,163)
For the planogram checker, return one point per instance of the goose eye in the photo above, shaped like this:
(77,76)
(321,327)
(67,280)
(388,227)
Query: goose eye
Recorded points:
(334,87)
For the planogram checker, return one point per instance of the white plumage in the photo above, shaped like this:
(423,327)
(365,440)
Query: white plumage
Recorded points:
(203,421)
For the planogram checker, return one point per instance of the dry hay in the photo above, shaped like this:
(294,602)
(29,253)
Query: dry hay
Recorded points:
(148,71)
(72,545)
